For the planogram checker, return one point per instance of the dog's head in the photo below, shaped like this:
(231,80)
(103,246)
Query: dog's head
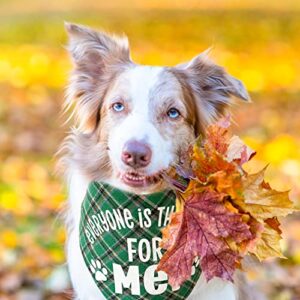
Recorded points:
(133,120)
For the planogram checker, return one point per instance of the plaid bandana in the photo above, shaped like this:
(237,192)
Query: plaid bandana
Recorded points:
(119,240)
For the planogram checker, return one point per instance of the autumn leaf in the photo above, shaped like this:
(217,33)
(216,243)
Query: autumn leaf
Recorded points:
(268,245)
(229,183)
(238,151)
(261,201)
(218,138)
(202,229)
(170,233)
(209,208)
(207,162)
(274,224)
(223,213)
(177,261)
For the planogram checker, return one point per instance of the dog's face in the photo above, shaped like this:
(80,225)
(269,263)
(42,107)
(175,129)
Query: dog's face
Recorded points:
(148,125)
(135,121)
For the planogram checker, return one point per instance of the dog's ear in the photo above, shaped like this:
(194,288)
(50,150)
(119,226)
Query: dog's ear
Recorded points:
(212,87)
(97,57)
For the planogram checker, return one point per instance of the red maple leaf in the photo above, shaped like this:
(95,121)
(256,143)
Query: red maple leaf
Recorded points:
(202,229)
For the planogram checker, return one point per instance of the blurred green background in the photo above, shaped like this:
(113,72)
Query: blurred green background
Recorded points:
(257,41)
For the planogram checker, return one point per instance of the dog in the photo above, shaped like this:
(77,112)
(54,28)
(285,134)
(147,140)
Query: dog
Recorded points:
(131,123)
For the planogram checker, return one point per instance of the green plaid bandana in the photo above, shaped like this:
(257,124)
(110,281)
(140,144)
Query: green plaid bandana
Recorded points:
(119,240)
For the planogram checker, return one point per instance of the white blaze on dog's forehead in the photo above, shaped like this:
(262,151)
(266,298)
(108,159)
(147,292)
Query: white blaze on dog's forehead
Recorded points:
(141,80)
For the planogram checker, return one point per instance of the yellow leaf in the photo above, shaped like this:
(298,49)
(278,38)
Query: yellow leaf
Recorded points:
(268,245)
(261,201)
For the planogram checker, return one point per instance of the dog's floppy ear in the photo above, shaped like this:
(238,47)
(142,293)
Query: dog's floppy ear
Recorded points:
(97,57)
(212,86)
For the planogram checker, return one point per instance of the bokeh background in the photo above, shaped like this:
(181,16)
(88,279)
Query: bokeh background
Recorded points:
(257,41)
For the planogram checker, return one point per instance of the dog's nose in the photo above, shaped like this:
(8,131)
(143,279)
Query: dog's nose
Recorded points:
(136,154)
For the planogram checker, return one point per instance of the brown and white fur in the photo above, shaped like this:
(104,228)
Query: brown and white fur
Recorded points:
(123,109)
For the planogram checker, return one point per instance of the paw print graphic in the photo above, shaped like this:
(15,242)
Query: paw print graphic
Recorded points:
(195,265)
(99,272)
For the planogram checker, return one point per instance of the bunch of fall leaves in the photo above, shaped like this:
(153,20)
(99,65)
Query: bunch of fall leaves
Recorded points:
(224,213)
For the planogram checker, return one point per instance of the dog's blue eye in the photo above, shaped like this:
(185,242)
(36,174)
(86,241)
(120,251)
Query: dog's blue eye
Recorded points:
(173,113)
(118,107)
